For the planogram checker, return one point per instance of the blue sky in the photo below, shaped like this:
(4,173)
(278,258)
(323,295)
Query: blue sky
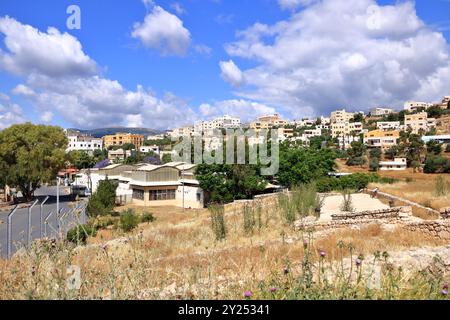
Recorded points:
(217,69)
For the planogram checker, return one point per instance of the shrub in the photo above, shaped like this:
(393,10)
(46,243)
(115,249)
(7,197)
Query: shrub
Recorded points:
(437,164)
(355,182)
(103,200)
(147,218)
(128,220)
(347,204)
(218,221)
(249,219)
(81,233)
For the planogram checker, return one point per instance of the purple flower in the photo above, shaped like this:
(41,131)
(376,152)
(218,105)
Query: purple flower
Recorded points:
(273,290)
(322,254)
(105,247)
(444,292)
(305,244)
(248,294)
(445,287)
(358,262)
(33,270)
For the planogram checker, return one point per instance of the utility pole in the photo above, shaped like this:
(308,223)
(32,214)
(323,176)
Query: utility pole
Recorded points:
(57,194)
(182,181)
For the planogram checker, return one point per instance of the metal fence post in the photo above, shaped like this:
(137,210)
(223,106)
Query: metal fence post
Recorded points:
(41,218)
(9,232)
(29,222)
(46,223)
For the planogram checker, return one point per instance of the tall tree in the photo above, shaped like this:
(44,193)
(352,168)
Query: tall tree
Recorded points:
(31,155)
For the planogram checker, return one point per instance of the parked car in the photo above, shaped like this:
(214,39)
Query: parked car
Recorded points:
(81,191)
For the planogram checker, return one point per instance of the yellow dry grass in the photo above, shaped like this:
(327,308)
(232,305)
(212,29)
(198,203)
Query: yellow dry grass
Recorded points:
(179,250)
(414,186)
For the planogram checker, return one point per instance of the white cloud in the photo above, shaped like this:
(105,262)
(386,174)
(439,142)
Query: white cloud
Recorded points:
(203,49)
(10,113)
(244,109)
(178,8)
(342,53)
(52,53)
(293,4)
(163,31)
(231,73)
(47,116)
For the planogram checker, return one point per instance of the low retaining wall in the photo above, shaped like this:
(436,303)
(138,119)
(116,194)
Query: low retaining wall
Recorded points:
(392,213)
(438,229)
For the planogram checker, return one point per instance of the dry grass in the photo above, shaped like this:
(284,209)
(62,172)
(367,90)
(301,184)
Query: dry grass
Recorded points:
(413,186)
(179,250)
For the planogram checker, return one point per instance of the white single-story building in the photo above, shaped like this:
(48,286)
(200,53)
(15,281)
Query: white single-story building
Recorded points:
(398,164)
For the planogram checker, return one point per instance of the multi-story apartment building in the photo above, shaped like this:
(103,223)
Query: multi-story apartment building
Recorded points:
(182,132)
(268,122)
(120,139)
(419,122)
(312,133)
(341,116)
(381,139)
(225,122)
(412,106)
(325,120)
(340,129)
(304,123)
(380,112)
(389,125)
(83,142)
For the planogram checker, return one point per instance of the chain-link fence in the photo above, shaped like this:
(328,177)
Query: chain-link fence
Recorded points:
(23,225)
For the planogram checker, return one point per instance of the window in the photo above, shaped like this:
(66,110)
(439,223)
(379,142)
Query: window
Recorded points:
(138,194)
(161,195)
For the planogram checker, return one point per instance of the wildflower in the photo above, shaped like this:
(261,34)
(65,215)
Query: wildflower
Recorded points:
(444,292)
(305,244)
(358,262)
(273,290)
(248,294)
(33,270)
(445,287)
(105,247)
(322,253)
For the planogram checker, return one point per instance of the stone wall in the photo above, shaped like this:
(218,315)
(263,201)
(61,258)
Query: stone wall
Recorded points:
(438,229)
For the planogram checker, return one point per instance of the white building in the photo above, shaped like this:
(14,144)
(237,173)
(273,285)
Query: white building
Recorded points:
(82,142)
(398,164)
(182,132)
(225,122)
(379,112)
(389,125)
(312,133)
(415,105)
(147,149)
(341,116)
(346,128)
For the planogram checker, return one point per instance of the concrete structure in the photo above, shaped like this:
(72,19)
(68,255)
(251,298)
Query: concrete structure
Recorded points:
(83,142)
(412,106)
(157,137)
(182,132)
(346,141)
(380,112)
(119,155)
(92,177)
(389,125)
(440,139)
(225,122)
(147,149)
(120,139)
(304,123)
(398,164)
(339,116)
(268,122)
(419,122)
(381,139)
(312,133)
(346,128)
(172,184)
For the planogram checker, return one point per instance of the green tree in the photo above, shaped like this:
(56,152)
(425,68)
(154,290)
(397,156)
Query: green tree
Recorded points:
(103,200)
(31,155)
(434,147)
(301,165)
(356,154)
(226,183)
(81,159)
(166,158)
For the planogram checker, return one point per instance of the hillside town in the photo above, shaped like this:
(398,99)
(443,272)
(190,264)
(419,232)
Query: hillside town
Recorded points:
(143,168)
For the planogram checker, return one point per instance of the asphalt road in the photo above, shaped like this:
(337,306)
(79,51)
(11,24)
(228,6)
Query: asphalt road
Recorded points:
(20,219)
